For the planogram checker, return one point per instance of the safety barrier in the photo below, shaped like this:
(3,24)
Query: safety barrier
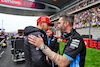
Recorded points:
(92,43)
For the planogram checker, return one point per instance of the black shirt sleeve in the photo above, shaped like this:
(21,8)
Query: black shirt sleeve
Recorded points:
(72,48)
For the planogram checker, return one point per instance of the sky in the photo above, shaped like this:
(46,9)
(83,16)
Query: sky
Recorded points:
(11,23)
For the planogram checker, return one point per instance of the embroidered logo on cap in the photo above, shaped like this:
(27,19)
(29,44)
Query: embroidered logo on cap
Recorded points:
(43,18)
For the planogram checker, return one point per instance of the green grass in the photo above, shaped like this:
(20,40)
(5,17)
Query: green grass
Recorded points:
(61,47)
(92,58)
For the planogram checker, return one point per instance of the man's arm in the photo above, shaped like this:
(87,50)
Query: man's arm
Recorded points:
(60,60)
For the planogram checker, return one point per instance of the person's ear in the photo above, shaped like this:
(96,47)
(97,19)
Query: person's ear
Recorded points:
(66,23)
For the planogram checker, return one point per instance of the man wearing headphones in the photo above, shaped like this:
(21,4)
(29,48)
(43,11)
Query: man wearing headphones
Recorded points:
(74,51)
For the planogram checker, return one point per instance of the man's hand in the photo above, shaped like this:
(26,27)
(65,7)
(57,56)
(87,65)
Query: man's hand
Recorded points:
(36,41)
(47,58)
(60,60)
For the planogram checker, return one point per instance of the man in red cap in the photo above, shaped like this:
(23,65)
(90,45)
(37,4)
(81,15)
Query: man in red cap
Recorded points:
(33,55)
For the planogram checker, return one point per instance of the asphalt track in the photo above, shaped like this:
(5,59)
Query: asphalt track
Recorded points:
(6,59)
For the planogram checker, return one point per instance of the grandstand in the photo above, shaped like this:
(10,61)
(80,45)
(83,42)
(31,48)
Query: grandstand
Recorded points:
(86,20)
(87,17)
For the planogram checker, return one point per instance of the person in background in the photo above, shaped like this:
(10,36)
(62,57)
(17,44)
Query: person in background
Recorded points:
(33,55)
(53,44)
(3,36)
(74,51)
(52,41)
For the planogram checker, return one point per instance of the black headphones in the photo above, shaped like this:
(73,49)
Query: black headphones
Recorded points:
(65,35)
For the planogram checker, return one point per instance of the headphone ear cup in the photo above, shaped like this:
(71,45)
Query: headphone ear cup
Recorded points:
(72,30)
(65,35)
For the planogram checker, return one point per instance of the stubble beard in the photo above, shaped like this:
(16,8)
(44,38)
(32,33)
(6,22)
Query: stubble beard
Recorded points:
(62,29)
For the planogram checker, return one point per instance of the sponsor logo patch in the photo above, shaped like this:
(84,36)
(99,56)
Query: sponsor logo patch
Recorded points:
(74,44)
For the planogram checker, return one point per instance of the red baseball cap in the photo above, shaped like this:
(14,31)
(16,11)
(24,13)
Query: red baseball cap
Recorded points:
(44,19)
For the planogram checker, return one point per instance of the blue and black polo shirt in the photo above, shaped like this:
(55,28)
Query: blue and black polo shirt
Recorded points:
(75,50)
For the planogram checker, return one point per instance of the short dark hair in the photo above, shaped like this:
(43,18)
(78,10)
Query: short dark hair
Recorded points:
(69,18)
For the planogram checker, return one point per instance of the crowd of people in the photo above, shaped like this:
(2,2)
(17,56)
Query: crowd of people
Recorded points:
(83,4)
(90,15)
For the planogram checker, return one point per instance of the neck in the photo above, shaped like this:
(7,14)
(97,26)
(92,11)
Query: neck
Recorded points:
(68,30)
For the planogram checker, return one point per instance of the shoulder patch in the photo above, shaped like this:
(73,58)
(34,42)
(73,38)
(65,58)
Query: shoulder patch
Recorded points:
(74,44)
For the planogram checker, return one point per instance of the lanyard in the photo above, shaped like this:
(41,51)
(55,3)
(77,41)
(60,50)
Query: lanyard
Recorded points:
(49,39)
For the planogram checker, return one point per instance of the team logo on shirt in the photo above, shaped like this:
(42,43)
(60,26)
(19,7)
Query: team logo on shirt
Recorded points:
(74,44)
